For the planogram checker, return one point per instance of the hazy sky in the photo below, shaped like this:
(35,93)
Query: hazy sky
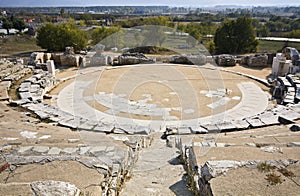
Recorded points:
(193,3)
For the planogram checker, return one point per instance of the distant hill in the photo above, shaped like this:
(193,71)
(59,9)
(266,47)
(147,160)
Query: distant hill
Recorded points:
(172,3)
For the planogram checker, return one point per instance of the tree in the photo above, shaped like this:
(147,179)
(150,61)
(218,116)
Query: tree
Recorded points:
(19,24)
(7,24)
(13,22)
(62,12)
(101,33)
(211,47)
(262,31)
(294,34)
(56,37)
(236,36)
(87,18)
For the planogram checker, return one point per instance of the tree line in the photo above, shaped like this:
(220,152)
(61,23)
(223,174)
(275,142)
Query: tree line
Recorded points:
(12,22)
(232,36)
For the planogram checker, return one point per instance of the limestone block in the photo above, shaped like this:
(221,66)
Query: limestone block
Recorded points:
(54,188)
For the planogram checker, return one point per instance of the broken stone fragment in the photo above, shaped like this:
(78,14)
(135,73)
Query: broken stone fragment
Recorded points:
(55,188)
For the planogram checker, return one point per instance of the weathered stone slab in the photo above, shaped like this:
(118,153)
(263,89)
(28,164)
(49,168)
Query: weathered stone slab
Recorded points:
(110,148)
(221,145)
(84,150)
(104,128)
(25,95)
(133,129)
(40,149)
(19,102)
(86,126)
(24,149)
(225,126)
(211,128)
(293,144)
(115,170)
(241,124)
(269,118)
(205,144)
(54,151)
(289,116)
(96,150)
(72,123)
(69,150)
(212,144)
(24,87)
(255,122)
(198,130)
(183,131)
(42,115)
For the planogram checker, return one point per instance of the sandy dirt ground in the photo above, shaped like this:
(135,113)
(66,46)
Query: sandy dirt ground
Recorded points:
(161,82)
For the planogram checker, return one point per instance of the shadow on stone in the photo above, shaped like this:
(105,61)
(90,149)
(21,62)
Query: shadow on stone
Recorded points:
(180,188)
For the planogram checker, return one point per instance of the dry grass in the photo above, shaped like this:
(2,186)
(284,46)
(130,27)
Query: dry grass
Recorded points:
(18,45)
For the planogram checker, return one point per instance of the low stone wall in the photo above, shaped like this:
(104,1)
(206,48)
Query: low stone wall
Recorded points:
(260,60)
(71,60)
(133,58)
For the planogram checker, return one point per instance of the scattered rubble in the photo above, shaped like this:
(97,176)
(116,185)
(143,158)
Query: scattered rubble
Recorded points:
(258,60)
(133,58)
(189,59)
(9,74)
(225,60)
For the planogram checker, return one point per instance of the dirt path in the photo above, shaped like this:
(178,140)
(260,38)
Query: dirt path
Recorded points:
(157,172)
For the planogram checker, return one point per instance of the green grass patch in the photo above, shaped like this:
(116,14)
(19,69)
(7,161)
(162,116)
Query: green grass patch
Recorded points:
(274,46)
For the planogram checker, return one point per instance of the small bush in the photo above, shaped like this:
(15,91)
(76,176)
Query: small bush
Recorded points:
(264,167)
(286,172)
(274,179)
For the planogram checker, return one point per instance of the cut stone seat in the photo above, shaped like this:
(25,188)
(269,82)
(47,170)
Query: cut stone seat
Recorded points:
(255,122)
(87,126)
(288,116)
(104,128)
(42,115)
(134,129)
(32,80)
(24,87)
(183,131)
(211,128)
(226,126)
(25,95)
(241,124)
(37,96)
(19,102)
(269,118)
(198,130)
(72,123)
